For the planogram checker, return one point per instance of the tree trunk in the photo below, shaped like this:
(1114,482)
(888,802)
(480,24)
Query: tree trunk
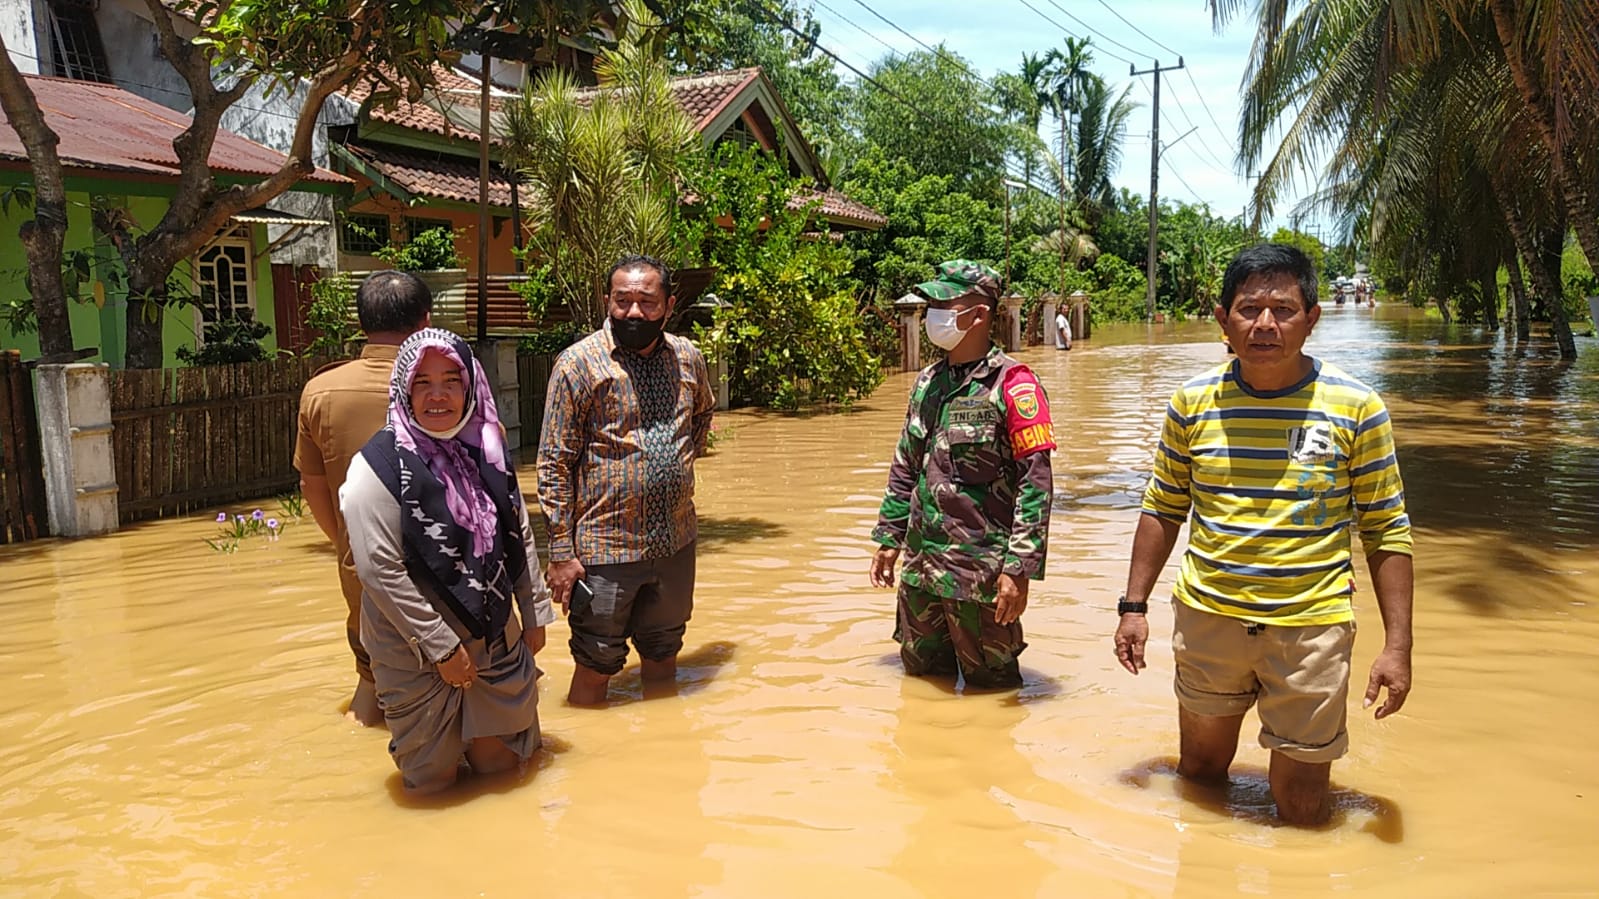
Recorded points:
(1544,283)
(147,299)
(1552,246)
(1580,207)
(1443,310)
(1518,295)
(1490,297)
(43,237)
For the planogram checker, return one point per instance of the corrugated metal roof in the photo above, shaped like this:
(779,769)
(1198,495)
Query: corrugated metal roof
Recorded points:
(104,128)
(263,216)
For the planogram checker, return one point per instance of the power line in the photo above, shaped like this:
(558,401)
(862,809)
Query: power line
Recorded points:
(940,51)
(847,20)
(1068,31)
(921,113)
(1206,106)
(1213,159)
(1102,34)
(1137,29)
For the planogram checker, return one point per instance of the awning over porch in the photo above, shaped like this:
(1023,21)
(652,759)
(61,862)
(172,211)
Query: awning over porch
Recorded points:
(263,216)
(435,177)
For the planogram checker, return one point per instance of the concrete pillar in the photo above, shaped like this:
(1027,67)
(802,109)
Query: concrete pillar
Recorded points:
(1049,307)
(80,479)
(720,385)
(1081,325)
(498,358)
(910,309)
(1013,334)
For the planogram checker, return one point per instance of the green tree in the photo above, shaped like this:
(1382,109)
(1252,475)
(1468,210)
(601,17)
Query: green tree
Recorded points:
(313,48)
(791,331)
(604,174)
(930,220)
(936,116)
(728,34)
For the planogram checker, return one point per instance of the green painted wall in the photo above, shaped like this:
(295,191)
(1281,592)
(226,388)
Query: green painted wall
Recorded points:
(104,326)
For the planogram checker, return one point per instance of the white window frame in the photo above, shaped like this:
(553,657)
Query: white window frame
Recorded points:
(241,234)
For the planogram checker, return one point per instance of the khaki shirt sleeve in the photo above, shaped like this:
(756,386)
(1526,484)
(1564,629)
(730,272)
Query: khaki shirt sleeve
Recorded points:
(307,455)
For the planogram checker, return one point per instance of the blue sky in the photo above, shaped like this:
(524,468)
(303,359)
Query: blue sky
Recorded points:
(992,35)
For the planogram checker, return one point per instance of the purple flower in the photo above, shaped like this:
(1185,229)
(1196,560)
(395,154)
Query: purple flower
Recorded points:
(272,524)
(257,515)
(222,518)
(238,518)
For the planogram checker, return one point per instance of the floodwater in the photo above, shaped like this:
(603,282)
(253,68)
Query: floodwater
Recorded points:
(171,719)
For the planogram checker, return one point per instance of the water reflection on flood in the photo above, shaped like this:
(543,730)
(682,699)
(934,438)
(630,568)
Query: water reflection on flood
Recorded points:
(171,720)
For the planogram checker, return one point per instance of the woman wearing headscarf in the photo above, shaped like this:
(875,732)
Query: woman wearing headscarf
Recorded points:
(440,535)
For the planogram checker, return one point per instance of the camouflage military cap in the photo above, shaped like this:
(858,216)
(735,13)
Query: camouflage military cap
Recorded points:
(959,277)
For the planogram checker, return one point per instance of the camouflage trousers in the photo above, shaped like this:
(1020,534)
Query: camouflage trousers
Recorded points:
(940,636)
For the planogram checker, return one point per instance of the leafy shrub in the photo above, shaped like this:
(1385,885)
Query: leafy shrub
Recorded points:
(793,333)
(1118,291)
(431,250)
(549,341)
(229,341)
(331,314)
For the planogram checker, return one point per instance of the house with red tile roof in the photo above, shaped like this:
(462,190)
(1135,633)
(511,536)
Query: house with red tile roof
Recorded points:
(116,152)
(416,166)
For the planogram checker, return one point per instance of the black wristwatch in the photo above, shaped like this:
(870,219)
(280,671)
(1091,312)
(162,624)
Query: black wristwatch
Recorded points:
(1123,606)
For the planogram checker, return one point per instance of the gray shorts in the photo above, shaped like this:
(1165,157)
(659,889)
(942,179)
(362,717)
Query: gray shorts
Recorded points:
(649,602)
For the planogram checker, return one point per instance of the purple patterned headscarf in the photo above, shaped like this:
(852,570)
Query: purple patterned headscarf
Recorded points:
(446,456)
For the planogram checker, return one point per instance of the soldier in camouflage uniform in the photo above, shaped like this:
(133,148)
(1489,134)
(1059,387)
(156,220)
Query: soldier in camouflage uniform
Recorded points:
(968,494)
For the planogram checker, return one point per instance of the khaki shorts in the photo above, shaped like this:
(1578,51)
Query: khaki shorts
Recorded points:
(1299,675)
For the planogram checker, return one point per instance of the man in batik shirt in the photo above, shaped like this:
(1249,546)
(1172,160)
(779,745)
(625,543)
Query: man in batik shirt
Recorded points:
(968,494)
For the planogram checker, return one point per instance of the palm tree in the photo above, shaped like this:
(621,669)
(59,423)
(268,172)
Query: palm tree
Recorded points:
(1068,79)
(1427,129)
(603,175)
(1101,127)
(1547,49)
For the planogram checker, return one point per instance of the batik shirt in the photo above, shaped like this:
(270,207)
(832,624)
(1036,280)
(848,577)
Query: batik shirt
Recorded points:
(616,455)
(1270,483)
(970,487)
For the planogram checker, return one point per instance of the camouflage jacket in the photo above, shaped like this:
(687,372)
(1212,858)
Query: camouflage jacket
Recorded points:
(970,488)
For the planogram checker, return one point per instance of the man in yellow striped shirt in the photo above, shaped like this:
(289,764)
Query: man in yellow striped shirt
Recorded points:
(1270,458)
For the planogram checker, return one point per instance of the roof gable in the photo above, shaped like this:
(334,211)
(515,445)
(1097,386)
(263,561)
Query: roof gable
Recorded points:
(713,100)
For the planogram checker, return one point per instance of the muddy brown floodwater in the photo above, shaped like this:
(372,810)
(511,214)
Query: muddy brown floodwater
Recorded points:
(171,719)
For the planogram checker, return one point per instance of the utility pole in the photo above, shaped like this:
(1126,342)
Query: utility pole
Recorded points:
(1154,180)
(483,198)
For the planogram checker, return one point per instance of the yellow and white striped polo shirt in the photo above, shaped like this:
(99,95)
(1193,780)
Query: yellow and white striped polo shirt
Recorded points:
(1269,483)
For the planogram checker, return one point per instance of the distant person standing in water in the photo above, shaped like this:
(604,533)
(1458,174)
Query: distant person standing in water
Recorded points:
(1270,457)
(969,493)
(628,413)
(1063,330)
(340,409)
(441,540)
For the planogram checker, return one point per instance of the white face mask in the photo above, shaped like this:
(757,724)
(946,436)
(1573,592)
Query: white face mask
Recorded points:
(942,330)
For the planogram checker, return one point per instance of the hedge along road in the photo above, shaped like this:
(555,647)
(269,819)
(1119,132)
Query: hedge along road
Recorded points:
(172,714)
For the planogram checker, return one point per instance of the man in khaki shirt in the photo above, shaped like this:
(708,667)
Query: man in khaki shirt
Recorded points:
(341,408)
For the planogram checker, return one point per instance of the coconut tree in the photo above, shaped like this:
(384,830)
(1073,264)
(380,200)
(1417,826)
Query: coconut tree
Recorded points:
(1101,129)
(1068,80)
(1549,49)
(1437,144)
(602,165)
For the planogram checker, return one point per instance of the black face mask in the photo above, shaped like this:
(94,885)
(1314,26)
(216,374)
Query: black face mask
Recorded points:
(636,334)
